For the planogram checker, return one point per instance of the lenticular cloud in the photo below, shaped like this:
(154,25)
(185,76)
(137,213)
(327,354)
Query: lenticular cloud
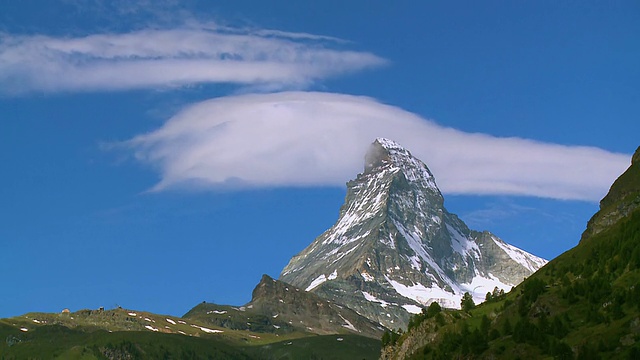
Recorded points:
(156,58)
(319,139)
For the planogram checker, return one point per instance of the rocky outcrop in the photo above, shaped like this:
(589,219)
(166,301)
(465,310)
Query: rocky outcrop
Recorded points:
(622,199)
(280,308)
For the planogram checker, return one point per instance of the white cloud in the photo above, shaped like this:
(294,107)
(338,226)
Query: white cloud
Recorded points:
(319,139)
(191,54)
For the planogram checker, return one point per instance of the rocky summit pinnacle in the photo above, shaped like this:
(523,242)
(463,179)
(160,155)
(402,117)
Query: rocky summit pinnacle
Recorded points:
(395,249)
(622,199)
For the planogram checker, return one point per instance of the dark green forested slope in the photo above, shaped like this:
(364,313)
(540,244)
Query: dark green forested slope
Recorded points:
(60,342)
(585,304)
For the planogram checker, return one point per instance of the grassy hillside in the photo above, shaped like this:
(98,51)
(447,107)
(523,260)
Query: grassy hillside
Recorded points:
(128,334)
(327,347)
(59,342)
(583,305)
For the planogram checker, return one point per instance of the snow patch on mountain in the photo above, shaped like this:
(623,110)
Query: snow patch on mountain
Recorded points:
(480,286)
(207,330)
(420,293)
(520,256)
(412,309)
(374,299)
(366,276)
(348,325)
(333,275)
(315,283)
(462,245)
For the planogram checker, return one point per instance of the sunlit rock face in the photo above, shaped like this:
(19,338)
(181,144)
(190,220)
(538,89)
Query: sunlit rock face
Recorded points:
(622,199)
(395,248)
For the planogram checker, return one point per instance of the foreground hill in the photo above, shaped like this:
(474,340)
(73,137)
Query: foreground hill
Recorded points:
(125,334)
(584,304)
(113,334)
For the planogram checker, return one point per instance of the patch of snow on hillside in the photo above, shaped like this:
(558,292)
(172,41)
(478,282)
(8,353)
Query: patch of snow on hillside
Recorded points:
(24,329)
(151,328)
(171,321)
(333,275)
(415,262)
(420,293)
(207,330)
(388,242)
(412,309)
(132,314)
(372,298)
(216,312)
(463,245)
(480,286)
(366,276)
(315,283)
(348,324)
(529,261)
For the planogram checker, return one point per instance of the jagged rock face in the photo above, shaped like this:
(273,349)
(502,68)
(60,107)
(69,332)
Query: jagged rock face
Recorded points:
(308,311)
(395,248)
(280,308)
(621,200)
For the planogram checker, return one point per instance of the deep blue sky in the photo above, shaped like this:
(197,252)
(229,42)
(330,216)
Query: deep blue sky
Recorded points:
(79,229)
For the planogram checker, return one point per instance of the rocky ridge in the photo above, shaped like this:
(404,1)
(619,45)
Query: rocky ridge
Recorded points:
(621,200)
(280,308)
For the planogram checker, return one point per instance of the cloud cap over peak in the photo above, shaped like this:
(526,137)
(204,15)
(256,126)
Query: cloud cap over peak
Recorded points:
(320,139)
(192,54)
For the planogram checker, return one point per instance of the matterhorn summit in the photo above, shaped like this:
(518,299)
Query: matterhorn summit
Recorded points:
(395,248)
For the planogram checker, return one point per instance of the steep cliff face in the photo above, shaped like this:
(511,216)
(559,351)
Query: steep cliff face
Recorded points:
(395,248)
(308,311)
(280,308)
(621,200)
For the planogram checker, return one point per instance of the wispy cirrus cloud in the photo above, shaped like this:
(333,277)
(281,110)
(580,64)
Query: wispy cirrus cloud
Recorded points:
(196,53)
(319,139)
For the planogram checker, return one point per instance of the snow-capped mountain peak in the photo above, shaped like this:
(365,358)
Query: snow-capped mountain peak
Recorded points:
(387,153)
(395,248)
